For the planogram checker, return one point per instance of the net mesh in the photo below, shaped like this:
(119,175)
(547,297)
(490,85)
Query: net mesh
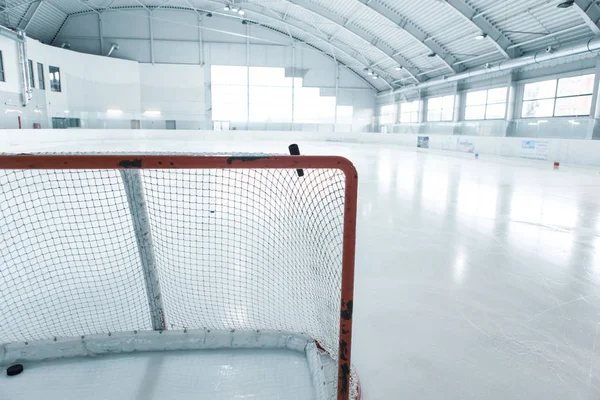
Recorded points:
(235,249)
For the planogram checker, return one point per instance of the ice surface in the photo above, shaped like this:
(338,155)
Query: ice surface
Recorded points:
(475,279)
(214,374)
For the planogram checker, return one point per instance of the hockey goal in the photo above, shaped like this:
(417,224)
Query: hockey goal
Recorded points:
(113,253)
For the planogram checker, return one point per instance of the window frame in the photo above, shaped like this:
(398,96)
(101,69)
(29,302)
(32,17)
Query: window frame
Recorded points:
(2,71)
(31,74)
(52,80)
(487,96)
(393,116)
(410,113)
(441,110)
(41,77)
(556,96)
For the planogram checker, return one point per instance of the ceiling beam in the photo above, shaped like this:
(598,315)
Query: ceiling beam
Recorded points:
(590,13)
(336,19)
(29,15)
(430,44)
(502,43)
(319,45)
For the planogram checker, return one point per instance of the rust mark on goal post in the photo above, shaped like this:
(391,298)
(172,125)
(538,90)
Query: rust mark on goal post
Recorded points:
(90,162)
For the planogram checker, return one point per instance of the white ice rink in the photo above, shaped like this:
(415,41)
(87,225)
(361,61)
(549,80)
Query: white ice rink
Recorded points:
(475,279)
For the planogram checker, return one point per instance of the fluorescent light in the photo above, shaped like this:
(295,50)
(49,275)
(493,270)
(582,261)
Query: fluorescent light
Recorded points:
(241,12)
(375,77)
(67,111)
(226,8)
(369,72)
(114,112)
(398,68)
(533,124)
(481,36)
(235,9)
(152,113)
(9,110)
(37,110)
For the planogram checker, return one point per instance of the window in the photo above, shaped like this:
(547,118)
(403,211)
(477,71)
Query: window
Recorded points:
(31,76)
(2,77)
(55,83)
(229,93)
(270,93)
(265,94)
(440,108)
(565,97)
(41,81)
(486,104)
(409,112)
(388,114)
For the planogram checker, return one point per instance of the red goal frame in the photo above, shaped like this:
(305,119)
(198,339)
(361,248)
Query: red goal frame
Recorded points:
(79,162)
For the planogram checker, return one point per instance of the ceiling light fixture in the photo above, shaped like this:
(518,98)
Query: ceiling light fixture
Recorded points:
(375,77)
(566,4)
(241,12)
(398,68)
(481,36)
(227,8)
(235,9)
(369,72)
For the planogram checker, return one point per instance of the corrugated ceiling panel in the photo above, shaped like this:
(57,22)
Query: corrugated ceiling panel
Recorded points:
(46,23)
(15,11)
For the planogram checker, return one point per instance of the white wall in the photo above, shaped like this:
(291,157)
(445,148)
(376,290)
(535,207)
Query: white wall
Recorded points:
(91,85)
(574,152)
(187,44)
(177,91)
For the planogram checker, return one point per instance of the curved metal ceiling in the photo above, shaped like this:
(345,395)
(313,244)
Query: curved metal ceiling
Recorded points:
(402,41)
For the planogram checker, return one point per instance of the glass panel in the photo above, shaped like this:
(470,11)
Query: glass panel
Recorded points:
(311,107)
(540,90)
(435,103)
(55,84)
(572,106)
(538,108)
(228,75)
(448,102)
(269,76)
(576,85)
(412,106)
(496,111)
(31,76)
(2,79)
(474,112)
(230,103)
(434,115)
(476,98)
(447,113)
(41,79)
(496,96)
(270,104)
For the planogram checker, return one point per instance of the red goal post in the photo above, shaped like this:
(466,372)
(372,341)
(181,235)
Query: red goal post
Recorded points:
(59,162)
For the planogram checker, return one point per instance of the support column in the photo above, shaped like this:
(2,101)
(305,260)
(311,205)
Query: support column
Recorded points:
(248,75)
(101,34)
(134,189)
(151,26)
(200,40)
(594,124)
(337,86)
(511,105)
(293,83)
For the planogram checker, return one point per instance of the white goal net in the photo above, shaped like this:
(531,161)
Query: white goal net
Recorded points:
(92,250)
